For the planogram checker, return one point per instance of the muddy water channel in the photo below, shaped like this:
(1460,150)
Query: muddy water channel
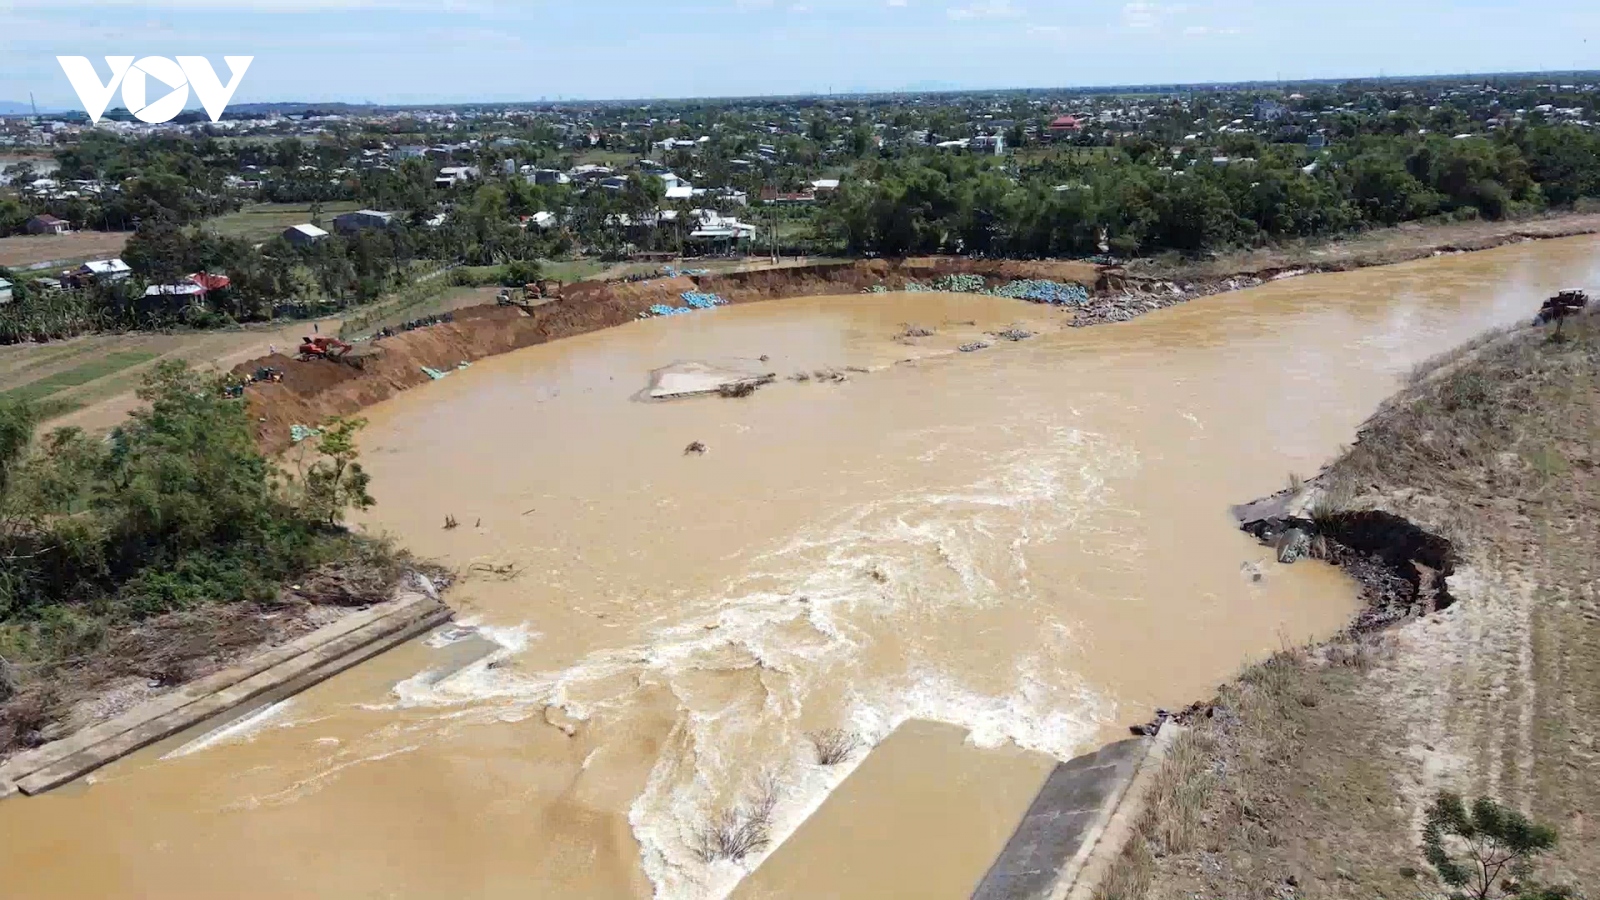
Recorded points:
(1023,549)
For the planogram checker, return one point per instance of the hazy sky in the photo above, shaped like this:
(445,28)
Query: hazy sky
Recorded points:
(419,51)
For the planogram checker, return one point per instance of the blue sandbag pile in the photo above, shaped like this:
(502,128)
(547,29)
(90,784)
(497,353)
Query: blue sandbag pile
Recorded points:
(661,309)
(1035,290)
(1055,292)
(702,301)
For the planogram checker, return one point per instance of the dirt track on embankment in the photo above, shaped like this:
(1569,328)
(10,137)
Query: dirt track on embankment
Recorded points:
(312,391)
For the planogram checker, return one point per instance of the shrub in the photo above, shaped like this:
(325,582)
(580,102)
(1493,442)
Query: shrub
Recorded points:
(1500,846)
(834,745)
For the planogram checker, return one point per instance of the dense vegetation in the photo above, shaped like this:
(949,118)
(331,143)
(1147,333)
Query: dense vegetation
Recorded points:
(176,510)
(1137,198)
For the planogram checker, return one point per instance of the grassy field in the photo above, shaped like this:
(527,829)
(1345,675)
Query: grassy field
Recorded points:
(78,375)
(27,250)
(1313,772)
(432,299)
(263,221)
(567,270)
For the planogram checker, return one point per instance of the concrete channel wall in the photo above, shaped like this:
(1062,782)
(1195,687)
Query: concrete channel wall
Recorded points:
(1078,823)
(290,668)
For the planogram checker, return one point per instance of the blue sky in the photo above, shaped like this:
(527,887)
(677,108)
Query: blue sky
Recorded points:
(425,51)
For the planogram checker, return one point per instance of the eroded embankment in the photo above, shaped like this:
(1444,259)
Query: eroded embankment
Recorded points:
(311,391)
(1312,772)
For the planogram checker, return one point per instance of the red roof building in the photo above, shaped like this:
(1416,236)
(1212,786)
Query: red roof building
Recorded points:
(1067,123)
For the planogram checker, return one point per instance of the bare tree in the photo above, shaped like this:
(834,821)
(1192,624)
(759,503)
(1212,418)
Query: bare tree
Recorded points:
(738,831)
(834,745)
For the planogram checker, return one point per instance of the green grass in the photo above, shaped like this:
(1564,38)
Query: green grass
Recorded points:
(568,270)
(263,221)
(94,370)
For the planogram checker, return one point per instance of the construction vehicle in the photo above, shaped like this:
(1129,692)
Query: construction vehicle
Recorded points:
(533,294)
(332,349)
(1561,305)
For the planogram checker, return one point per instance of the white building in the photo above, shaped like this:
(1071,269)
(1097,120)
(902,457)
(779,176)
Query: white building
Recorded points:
(450,176)
(106,270)
(988,143)
(304,235)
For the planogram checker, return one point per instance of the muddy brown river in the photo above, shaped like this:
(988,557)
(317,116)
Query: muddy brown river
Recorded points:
(1018,551)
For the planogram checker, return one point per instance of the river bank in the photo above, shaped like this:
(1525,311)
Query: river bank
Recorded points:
(1308,774)
(1158,282)
(312,391)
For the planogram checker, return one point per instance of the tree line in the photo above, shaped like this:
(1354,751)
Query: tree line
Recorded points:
(1138,198)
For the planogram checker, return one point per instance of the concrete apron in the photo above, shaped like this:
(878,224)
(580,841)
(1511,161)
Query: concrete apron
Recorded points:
(281,671)
(927,815)
(1078,823)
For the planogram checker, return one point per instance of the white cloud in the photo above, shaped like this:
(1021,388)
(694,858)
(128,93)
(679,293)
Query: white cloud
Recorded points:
(799,8)
(1202,30)
(899,3)
(265,6)
(986,9)
(1142,14)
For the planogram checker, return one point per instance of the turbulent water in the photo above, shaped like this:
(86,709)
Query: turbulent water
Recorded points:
(1029,542)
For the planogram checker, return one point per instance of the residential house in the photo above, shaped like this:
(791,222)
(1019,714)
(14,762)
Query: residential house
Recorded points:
(450,176)
(543,220)
(98,271)
(994,144)
(717,232)
(44,223)
(304,235)
(194,288)
(545,176)
(1065,126)
(825,185)
(771,195)
(5,291)
(186,290)
(680,192)
(362,219)
(1270,110)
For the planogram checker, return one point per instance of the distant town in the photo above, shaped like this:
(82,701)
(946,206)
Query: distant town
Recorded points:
(300,209)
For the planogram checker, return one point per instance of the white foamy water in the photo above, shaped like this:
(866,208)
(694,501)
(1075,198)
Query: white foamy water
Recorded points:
(241,729)
(811,633)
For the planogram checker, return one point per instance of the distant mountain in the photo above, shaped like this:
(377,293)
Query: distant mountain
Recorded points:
(12,108)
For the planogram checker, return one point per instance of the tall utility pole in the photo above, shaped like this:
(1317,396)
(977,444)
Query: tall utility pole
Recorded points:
(35,108)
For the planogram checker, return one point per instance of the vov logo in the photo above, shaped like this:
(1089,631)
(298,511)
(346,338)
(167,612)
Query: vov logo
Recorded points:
(135,78)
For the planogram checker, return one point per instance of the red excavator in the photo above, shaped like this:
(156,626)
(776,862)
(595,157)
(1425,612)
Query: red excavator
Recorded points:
(323,347)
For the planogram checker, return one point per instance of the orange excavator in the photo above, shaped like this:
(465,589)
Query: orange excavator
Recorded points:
(323,347)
